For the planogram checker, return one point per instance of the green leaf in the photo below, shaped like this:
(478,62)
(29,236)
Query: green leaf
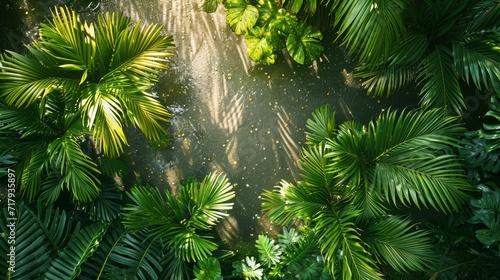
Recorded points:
(304,44)
(321,125)
(249,269)
(241,18)
(269,252)
(486,211)
(207,269)
(68,264)
(261,47)
(395,242)
(440,87)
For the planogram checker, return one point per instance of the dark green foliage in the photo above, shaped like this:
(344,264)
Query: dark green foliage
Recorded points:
(352,177)
(295,255)
(182,221)
(268,28)
(48,242)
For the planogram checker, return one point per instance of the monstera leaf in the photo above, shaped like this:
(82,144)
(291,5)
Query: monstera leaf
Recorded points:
(304,45)
(260,46)
(241,16)
(486,211)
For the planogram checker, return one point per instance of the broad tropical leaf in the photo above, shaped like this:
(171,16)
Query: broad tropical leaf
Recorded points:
(261,47)
(486,211)
(242,17)
(304,43)
(492,131)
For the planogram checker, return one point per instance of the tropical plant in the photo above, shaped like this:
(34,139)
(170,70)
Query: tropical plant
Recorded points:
(47,243)
(295,255)
(184,221)
(436,43)
(79,79)
(353,175)
(268,28)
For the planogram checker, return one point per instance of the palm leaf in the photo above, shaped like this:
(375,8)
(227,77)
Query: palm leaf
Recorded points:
(386,79)
(68,263)
(25,79)
(370,27)
(106,206)
(210,200)
(138,256)
(39,236)
(410,165)
(321,125)
(483,15)
(69,41)
(478,59)
(348,155)
(191,246)
(440,85)
(394,242)
(342,247)
(315,172)
(287,202)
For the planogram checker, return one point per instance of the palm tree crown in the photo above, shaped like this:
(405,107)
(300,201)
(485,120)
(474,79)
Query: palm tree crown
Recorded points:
(354,174)
(80,79)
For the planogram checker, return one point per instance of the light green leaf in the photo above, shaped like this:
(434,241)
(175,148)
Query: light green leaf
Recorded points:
(304,44)
(242,18)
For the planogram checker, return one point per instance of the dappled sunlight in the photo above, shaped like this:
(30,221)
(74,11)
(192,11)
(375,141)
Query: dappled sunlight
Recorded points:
(173,175)
(292,149)
(229,230)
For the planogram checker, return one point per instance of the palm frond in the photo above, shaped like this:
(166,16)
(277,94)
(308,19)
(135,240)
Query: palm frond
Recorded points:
(384,80)
(210,200)
(137,256)
(77,170)
(348,157)
(145,112)
(25,79)
(394,241)
(315,172)
(478,59)
(191,246)
(411,166)
(150,208)
(321,125)
(108,29)
(39,236)
(440,85)
(68,263)
(142,53)
(341,245)
(106,206)
(69,41)
(483,15)
(287,202)
(370,27)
